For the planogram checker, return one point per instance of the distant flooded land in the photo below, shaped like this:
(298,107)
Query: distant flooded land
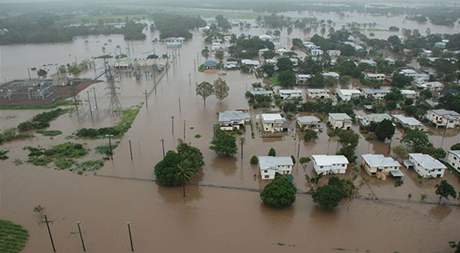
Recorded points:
(229,126)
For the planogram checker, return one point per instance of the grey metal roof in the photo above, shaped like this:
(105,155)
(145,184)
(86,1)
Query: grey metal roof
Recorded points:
(378,160)
(307,120)
(230,116)
(271,162)
(427,161)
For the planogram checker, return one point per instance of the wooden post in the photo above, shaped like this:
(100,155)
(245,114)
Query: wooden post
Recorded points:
(49,233)
(130,237)
(130,150)
(81,237)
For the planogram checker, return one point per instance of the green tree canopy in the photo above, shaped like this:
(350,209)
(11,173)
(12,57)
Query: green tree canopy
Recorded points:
(204,89)
(287,78)
(280,193)
(223,143)
(445,190)
(384,130)
(272,152)
(221,89)
(329,196)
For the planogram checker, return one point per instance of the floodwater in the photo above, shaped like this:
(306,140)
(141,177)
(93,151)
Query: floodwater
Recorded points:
(210,218)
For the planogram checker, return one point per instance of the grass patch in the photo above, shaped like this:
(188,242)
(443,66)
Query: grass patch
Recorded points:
(3,153)
(63,163)
(41,120)
(59,153)
(50,132)
(105,149)
(127,118)
(88,166)
(12,134)
(275,81)
(13,237)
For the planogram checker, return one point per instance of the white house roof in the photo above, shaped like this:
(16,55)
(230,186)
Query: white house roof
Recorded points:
(339,116)
(408,92)
(446,113)
(376,117)
(328,160)
(271,162)
(289,91)
(407,120)
(425,85)
(427,161)
(377,160)
(331,74)
(230,116)
(306,120)
(455,152)
(250,62)
(349,92)
(272,117)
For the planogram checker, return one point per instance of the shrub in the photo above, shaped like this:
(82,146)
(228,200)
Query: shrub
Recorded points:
(280,193)
(254,160)
(272,152)
(310,135)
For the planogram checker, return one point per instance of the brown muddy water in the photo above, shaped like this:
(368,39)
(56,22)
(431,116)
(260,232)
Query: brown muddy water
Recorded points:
(210,218)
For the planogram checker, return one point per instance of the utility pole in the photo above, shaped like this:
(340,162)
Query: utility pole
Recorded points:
(130,150)
(49,232)
(163,146)
(242,143)
(172,125)
(130,237)
(184,129)
(81,237)
(89,105)
(95,98)
(180,108)
(110,146)
(146,101)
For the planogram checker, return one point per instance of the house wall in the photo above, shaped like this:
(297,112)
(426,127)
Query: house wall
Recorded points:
(454,161)
(333,169)
(423,172)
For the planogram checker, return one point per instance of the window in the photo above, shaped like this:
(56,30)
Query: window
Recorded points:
(265,171)
(266,176)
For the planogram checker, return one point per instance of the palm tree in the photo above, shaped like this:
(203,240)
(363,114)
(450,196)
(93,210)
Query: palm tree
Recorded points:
(184,175)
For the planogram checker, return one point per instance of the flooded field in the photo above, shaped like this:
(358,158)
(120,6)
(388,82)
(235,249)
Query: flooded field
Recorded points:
(209,219)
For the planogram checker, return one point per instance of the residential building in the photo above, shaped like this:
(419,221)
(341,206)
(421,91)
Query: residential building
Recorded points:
(377,163)
(408,122)
(348,94)
(374,77)
(233,120)
(329,164)
(425,165)
(368,119)
(453,158)
(260,92)
(376,93)
(290,94)
(318,93)
(443,118)
(369,62)
(333,75)
(250,63)
(302,78)
(273,123)
(308,122)
(210,64)
(316,52)
(412,94)
(270,165)
(432,86)
(417,77)
(340,120)
(334,53)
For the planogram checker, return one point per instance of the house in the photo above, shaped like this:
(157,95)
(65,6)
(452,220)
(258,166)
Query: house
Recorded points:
(348,94)
(376,93)
(233,120)
(440,45)
(273,123)
(310,45)
(334,53)
(333,75)
(286,94)
(443,118)
(316,52)
(266,37)
(369,62)
(210,64)
(425,165)
(215,46)
(260,92)
(229,65)
(368,119)
(308,122)
(453,158)
(426,52)
(376,163)
(408,122)
(354,45)
(302,78)
(318,93)
(250,63)
(417,77)
(270,165)
(432,86)
(374,77)
(390,61)
(329,164)
(339,120)
(412,94)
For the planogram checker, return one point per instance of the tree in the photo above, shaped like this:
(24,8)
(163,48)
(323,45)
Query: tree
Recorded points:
(384,130)
(205,52)
(445,190)
(455,147)
(221,89)
(223,143)
(400,80)
(416,140)
(219,55)
(177,168)
(284,64)
(310,135)
(268,69)
(280,193)
(272,152)
(287,78)
(204,89)
(329,196)
(254,160)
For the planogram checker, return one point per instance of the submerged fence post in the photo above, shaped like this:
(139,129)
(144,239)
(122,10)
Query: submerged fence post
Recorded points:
(81,237)
(130,237)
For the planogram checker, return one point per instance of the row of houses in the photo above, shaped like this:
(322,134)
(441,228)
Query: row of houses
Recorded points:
(374,164)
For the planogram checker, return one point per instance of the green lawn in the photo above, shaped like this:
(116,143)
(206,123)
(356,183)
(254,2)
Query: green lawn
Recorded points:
(13,237)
